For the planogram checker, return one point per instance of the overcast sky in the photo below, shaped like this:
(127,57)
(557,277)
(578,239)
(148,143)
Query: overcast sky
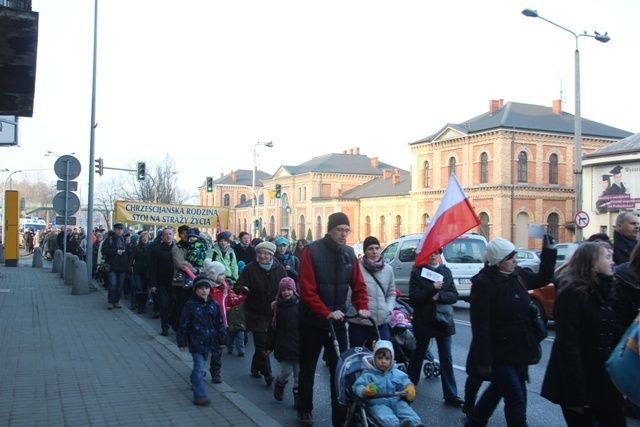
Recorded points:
(205,80)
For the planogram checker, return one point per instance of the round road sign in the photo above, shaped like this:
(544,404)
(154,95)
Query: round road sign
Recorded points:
(61,204)
(67,167)
(582,219)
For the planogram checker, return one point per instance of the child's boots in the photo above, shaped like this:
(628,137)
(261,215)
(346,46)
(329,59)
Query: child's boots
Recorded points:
(278,390)
(296,397)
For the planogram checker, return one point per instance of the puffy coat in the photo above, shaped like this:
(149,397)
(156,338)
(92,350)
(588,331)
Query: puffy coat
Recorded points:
(226,298)
(263,289)
(381,301)
(201,327)
(229,261)
(421,293)
(585,336)
(283,339)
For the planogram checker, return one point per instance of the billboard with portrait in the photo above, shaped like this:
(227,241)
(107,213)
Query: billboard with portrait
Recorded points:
(616,187)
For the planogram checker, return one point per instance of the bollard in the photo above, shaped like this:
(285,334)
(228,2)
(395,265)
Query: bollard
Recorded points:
(1,253)
(37,261)
(69,262)
(80,279)
(57,262)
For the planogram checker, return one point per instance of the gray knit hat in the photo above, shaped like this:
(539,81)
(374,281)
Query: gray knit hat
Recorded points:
(213,269)
(267,247)
(498,250)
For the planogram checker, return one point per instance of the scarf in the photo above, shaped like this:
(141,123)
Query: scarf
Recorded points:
(374,266)
(266,267)
(279,302)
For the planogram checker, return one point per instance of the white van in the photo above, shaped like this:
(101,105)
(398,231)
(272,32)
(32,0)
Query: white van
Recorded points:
(463,256)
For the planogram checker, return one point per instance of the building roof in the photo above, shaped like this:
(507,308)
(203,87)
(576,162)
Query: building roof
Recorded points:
(381,187)
(630,144)
(354,164)
(528,117)
(243,177)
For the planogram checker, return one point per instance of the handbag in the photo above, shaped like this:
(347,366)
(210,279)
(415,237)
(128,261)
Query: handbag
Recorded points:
(623,364)
(443,314)
(537,325)
(104,267)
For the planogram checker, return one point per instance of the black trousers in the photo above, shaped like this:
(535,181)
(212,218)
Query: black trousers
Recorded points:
(260,362)
(605,417)
(312,340)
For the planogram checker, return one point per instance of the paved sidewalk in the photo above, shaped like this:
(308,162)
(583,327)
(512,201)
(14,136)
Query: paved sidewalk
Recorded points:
(65,360)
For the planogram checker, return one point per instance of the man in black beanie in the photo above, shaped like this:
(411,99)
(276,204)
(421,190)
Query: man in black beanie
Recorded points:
(328,268)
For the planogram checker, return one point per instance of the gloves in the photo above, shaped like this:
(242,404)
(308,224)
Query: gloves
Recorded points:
(411,392)
(485,370)
(548,241)
(370,390)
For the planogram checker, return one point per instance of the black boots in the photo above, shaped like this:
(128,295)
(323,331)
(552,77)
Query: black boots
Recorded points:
(296,397)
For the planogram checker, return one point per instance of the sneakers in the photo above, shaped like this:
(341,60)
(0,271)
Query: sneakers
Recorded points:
(216,379)
(305,418)
(255,373)
(201,401)
(117,305)
(454,401)
(278,390)
(240,354)
(165,332)
(109,306)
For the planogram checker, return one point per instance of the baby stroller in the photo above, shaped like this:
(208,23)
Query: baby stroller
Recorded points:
(404,342)
(348,369)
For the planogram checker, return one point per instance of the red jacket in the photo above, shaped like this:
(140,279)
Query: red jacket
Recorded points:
(226,298)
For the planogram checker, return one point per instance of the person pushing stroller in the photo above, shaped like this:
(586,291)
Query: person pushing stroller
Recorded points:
(380,375)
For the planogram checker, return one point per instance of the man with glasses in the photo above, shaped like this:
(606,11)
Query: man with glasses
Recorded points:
(328,268)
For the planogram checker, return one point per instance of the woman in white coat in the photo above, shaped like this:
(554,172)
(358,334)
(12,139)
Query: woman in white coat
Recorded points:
(382,295)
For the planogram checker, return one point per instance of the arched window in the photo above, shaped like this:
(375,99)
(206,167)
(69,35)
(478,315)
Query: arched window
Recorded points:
(243,198)
(484,168)
(227,200)
(301,227)
(483,228)
(452,166)
(553,220)
(318,227)
(427,175)
(367,226)
(522,166)
(382,227)
(553,169)
(397,227)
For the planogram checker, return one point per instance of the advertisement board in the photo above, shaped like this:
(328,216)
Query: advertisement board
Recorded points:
(616,187)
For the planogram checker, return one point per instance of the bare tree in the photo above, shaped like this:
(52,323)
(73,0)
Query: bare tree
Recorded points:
(38,195)
(159,186)
(106,196)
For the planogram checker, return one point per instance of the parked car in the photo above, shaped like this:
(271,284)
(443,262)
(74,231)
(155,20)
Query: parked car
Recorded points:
(357,248)
(463,256)
(528,259)
(565,250)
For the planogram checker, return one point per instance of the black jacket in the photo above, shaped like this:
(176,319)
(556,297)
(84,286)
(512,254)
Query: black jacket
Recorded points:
(263,290)
(421,293)
(284,338)
(247,254)
(585,337)
(626,291)
(110,249)
(161,265)
(622,247)
(500,322)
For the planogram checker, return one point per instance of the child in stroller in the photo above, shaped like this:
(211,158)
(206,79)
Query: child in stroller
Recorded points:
(404,342)
(379,383)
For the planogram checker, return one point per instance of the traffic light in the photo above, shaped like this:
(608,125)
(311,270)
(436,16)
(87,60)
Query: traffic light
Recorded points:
(278,191)
(99,166)
(141,171)
(209,184)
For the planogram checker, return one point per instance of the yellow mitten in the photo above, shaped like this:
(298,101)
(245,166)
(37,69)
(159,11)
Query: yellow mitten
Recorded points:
(411,392)
(370,390)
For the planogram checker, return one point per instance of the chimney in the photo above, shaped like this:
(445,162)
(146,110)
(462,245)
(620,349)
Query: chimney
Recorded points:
(396,172)
(351,151)
(358,150)
(386,174)
(557,106)
(494,105)
(234,178)
(374,162)
(396,179)
(344,151)
(221,174)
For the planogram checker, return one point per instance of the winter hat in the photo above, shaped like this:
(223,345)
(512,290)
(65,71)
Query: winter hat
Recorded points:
(225,235)
(267,247)
(384,345)
(370,241)
(337,219)
(498,250)
(193,232)
(213,268)
(116,226)
(282,241)
(200,281)
(241,266)
(135,237)
(288,283)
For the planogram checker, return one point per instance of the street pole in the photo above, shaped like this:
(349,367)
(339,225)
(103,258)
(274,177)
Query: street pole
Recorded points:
(92,145)
(577,127)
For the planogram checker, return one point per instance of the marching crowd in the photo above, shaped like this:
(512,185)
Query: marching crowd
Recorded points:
(211,292)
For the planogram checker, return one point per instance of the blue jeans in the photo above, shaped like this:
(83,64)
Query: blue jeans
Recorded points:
(508,382)
(216,361)
(447,377)
(197,375)
(235,339)
(363,335)
(115,281)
